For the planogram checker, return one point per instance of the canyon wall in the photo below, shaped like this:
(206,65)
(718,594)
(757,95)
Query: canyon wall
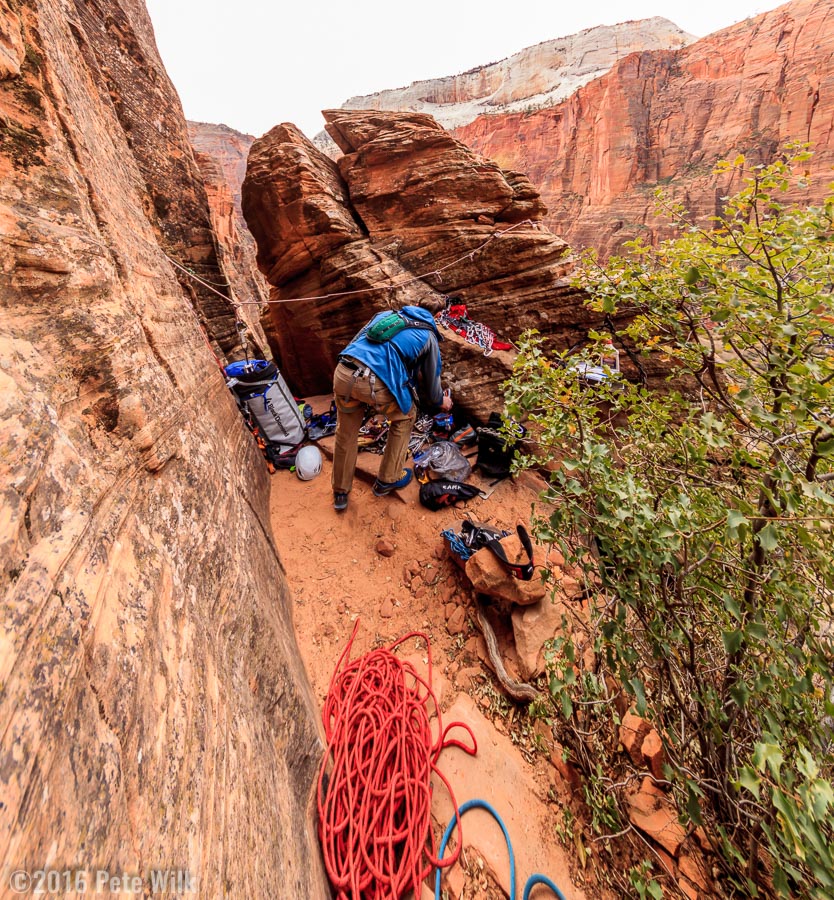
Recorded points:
(153,708)
(664,118)
(221,154)
(533,78)
(407,211)
(537,76)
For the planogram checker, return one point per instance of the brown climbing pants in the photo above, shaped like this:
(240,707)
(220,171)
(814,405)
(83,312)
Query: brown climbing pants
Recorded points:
(366,390)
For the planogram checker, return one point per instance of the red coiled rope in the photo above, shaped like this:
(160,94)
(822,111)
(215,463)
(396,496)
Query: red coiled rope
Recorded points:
(374,792)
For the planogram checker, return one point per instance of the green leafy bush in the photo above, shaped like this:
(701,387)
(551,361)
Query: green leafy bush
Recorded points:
(702,517)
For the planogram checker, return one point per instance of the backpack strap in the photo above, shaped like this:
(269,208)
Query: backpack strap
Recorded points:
(410,368)
(523,571)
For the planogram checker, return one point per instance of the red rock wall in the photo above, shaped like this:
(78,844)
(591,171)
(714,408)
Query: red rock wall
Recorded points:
(221,155)
(407,212)
(153,708)
(664,118)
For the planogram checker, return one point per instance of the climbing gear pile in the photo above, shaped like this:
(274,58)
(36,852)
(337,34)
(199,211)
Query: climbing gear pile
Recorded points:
(374,793)
(373,433)
(456,317)
(474,536)
(420,435)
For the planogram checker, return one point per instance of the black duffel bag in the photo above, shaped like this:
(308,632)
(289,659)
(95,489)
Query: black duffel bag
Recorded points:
(436,494)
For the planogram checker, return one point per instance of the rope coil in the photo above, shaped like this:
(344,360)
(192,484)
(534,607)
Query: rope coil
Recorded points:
(374,792)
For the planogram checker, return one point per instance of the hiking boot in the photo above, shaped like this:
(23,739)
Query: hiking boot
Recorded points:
(340,500)
(381,488)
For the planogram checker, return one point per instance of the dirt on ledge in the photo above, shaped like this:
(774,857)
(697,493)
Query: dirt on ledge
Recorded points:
(337,575)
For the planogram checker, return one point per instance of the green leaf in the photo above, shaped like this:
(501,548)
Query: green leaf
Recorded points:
(732,641)
(640,694)
(823,797)
(770,756)
(736,520)
(732,607)
(750,781)
(825,448)
(693,276)
(740,694)
(767,538)
(693,807)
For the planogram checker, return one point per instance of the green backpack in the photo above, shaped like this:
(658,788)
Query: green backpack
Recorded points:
(381,331)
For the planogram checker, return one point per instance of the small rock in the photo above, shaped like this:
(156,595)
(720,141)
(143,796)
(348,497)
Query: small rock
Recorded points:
(466,677)
(532,626)
(446,593)
(457,621)
(449,610)
(440,550)
(569,774)
(651,811)
(416,583)
(667,862)
(452,669)
(702,839)
(687,889)
(384,547)
(490,577)
(414,567)
(693,867)
(484,701)
(386,610)
(455,881)
(653,754)
(633,731)
(544,731)
(570,587)
(420,593)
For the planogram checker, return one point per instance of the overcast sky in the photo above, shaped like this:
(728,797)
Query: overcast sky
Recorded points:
(251,64)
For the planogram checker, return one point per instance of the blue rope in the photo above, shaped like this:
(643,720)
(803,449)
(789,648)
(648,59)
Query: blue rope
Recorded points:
(476,804)
(532,881)
(456,545)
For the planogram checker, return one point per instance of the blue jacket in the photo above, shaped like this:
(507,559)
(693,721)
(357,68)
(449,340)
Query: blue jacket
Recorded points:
(416,351)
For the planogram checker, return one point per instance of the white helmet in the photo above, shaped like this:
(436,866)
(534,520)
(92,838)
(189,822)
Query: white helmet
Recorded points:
(308,462)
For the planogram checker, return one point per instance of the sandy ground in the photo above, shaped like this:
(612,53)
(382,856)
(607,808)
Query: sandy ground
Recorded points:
(338,577)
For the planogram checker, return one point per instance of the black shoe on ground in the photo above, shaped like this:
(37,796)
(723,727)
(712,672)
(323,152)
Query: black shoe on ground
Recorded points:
(340,501)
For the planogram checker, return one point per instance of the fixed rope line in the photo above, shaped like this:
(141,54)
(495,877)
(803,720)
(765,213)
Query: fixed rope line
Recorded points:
(386,287)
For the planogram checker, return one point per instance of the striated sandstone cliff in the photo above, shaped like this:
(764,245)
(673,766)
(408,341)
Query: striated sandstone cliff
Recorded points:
(153,708)
(405,200)
(536,77)
(221,154)
(664,118)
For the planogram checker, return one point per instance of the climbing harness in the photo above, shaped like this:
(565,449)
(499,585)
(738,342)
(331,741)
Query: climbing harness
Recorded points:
(532,881)
(374,793)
